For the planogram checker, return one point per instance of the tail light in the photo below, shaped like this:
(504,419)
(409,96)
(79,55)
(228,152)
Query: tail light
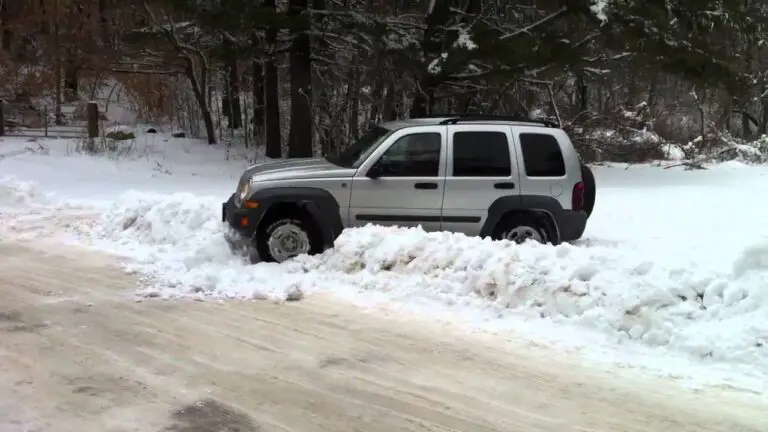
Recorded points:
(577,198)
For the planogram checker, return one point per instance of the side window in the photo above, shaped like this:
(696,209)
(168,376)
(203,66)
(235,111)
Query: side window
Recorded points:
(415,155)
(542,155)
(481,154)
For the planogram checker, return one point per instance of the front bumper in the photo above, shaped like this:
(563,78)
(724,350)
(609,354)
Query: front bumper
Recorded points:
(242,222)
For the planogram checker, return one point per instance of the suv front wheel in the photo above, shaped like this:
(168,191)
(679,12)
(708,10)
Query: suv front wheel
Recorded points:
(521,227)
(285,238)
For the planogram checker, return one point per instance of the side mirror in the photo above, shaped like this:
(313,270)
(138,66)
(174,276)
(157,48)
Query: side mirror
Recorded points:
(375,172)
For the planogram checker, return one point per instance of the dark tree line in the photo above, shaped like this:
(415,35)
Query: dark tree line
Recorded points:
(302,77)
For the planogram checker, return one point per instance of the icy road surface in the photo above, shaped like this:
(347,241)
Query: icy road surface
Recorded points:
(77,354)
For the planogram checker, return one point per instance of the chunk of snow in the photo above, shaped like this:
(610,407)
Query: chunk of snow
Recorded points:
(599,8)
(435,67)
(465,40)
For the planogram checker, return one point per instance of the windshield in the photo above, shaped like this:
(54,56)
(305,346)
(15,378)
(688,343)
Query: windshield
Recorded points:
(354,155)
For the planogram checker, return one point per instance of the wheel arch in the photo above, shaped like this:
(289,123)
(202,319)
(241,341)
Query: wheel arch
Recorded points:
(542,208)
(590,188)
(318,204)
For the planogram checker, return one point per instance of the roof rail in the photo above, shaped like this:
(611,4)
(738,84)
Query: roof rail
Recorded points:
(456,118)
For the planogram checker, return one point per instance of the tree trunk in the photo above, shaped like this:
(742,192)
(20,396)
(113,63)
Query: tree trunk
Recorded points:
(274,147)
(325,133)
(202,102)
(106,38)
(300,134)
(583,93)
(425,96)
(431,46)
(272,111)
(745,128)
(71,88)
(323,122)
(257,75)
(377,101)
(232,108)
(5,34)
(354,106)
(390,104)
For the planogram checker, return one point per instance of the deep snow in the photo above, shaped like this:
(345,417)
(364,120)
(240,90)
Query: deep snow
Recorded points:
(670,276)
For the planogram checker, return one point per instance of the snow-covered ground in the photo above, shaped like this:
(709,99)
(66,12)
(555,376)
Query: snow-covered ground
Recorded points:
(671,275)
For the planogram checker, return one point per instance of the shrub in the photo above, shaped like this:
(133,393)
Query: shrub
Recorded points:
(121,136)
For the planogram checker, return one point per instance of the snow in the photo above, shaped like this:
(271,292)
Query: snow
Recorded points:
(670,275)
(435,67)
(155,162)
(599,8)
(465,40)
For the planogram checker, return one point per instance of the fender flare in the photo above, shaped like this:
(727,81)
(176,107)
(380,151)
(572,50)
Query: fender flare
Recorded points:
(319,203)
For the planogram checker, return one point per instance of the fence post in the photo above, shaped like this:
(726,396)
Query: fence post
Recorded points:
(93,120)
(2,120)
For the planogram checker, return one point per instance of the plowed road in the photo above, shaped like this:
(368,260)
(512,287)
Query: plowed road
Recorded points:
(77,353)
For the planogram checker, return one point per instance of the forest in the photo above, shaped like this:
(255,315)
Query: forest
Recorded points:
(629,79)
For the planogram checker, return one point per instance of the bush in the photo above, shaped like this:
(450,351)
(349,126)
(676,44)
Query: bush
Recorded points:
(121,136)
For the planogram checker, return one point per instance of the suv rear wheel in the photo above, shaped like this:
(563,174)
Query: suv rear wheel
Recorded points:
(521,227)
(286,237)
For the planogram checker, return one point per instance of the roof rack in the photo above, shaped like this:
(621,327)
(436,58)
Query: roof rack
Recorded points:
(456,118)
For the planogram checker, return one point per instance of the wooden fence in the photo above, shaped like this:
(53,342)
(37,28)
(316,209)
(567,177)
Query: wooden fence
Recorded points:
(20,120)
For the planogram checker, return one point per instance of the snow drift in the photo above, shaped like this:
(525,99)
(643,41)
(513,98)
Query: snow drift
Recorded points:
(17,193)
(177,243)
(28,212)
(179,240)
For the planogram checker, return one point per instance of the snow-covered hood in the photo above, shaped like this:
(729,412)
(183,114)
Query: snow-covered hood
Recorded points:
(296,169)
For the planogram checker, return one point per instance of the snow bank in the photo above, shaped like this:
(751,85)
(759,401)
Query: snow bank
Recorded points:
(18,193)
(179,242)
(28,212)
(722,147)
(723,316)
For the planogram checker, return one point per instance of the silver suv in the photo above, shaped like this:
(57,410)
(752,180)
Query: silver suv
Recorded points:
(503,177)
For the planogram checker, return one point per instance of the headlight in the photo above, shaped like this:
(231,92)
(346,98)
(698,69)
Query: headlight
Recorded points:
(243,191)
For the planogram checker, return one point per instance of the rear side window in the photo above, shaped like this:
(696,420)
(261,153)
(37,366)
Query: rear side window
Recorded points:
(542,155)
(481,154)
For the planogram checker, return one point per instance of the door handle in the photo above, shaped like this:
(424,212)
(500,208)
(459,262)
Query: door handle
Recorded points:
(504,185)
(425,185)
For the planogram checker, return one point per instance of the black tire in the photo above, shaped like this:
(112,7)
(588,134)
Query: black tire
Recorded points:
(268,227)
(590,189)
(521,220)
